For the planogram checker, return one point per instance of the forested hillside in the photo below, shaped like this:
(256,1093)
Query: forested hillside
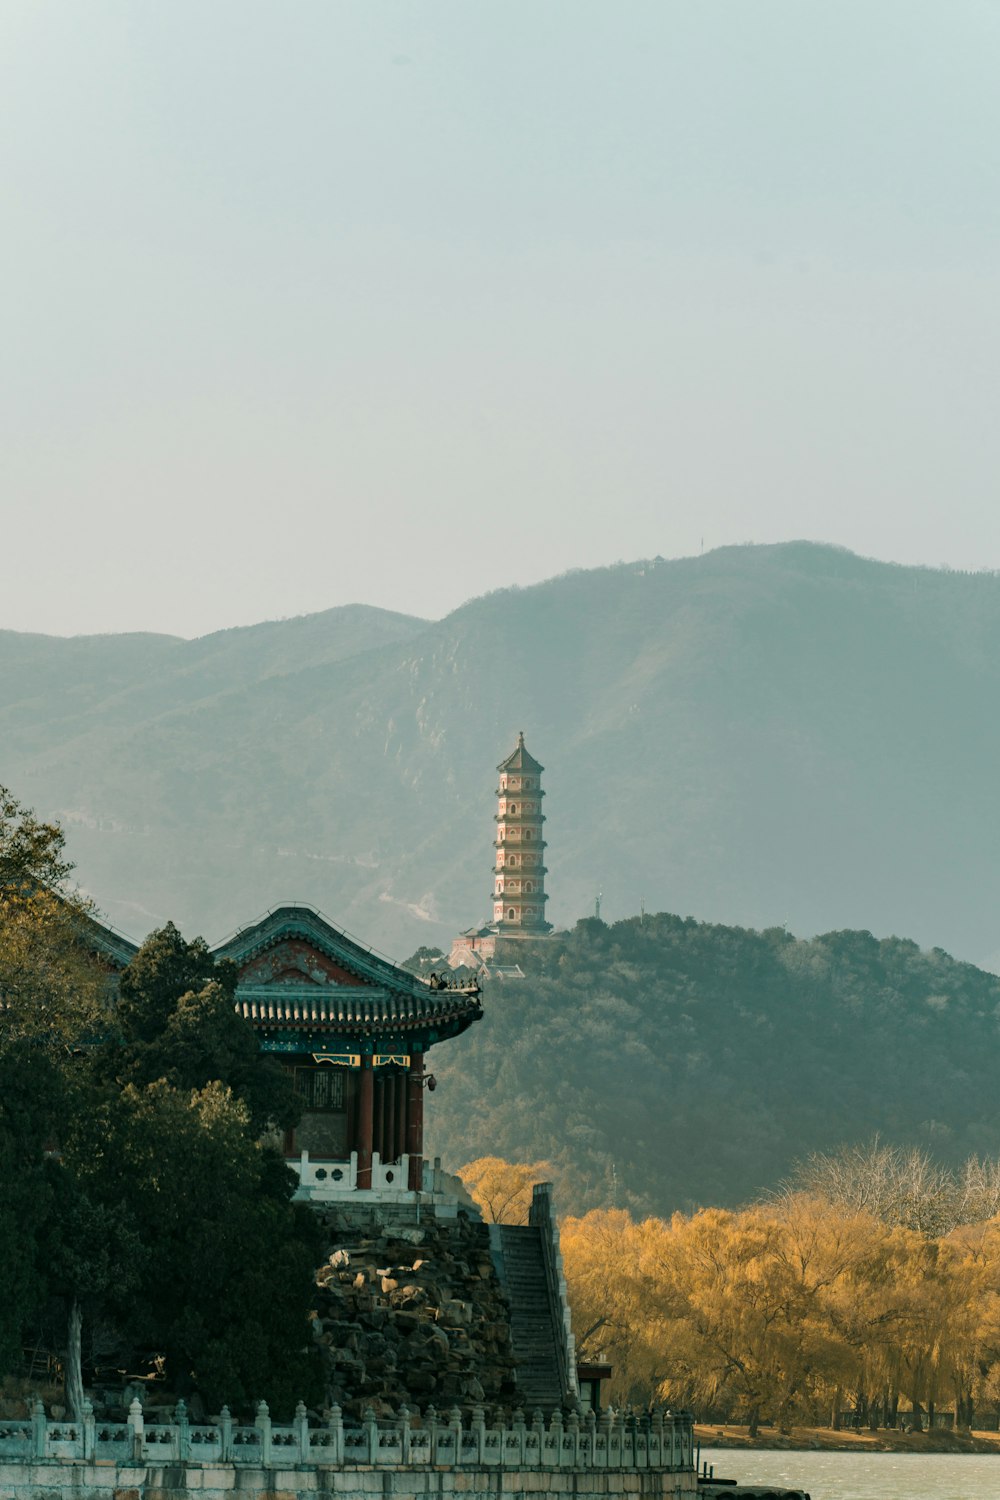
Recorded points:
(760,735)
(663,1063)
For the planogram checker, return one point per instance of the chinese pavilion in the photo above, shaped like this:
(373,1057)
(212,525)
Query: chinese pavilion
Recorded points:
(355,1031)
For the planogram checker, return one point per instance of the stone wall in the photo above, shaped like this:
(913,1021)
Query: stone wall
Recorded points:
(411,1315)
(219,1482)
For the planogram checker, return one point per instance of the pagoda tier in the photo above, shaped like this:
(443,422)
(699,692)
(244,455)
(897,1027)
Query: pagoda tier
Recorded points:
(519,872)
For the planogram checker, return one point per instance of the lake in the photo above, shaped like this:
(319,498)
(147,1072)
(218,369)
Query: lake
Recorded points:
(865,1476)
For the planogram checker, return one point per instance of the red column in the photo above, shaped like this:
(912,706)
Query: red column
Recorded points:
(400,1142)
(378,1107)
(415,1121)
(389,1117)
(365,1123)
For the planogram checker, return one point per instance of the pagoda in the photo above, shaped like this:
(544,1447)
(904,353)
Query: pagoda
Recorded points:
(518,896)
(519,874)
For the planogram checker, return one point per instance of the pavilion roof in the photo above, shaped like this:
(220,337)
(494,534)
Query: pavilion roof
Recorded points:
(369,995)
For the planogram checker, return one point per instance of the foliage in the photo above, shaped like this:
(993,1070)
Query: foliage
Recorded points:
(789,1311)
(228,1260)
(425,961)
(53,1002)
(177,1021)
(135,1186)
(502,1188)
(32,853)
(662,1063)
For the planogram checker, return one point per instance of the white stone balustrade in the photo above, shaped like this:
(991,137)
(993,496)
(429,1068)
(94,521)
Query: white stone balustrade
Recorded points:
(323,1181)
(662,1441)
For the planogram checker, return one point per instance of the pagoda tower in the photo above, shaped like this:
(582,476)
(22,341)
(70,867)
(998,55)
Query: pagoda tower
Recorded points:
(519,874)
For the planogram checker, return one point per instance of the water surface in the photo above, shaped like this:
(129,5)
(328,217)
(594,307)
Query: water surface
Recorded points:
(865,1476)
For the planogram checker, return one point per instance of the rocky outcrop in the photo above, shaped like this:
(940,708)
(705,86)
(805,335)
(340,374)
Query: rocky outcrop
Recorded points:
(412,1315)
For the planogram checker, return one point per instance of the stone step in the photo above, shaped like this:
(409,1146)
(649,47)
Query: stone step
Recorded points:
(532,1316)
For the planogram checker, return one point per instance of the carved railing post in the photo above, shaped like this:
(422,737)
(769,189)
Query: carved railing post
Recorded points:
(369,1427)
(687,1441)
(263,1425)
(335,1430)
(225,1435)
(499,1427)
(183,1428)
(590,1427)
(520,1432)
(558,1429)
(602,1445)
(39,1429)
(642,1441)
(89,1427)
(477,1427)
(137,1427)
(538,1433)
(629,1443)
(455,1428)
(572,1453)
(617,1449)
(403,1424)
(431,1427)
(300,1426)
(656,1438)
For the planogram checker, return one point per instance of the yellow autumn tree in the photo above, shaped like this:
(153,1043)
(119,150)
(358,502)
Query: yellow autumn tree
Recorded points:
(502,1188)
(613,1316)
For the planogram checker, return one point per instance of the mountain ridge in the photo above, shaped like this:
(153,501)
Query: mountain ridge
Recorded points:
(760,734)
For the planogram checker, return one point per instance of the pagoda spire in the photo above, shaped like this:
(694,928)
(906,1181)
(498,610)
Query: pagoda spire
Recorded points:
(519,873)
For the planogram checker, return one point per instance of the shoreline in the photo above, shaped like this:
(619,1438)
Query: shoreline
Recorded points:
(824,1440)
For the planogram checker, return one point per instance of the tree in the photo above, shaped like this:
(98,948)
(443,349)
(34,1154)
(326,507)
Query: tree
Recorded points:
(177,1020)
(613,1315)
(901,1186)
(503,1188)
(228,1259)
(54,1003)
(93,1260)
(134,1183)
(31,852)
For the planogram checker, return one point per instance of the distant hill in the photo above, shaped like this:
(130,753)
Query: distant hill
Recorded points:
(663,1063)
(760,735)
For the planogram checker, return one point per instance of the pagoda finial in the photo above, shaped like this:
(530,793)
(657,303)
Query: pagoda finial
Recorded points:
(520,737)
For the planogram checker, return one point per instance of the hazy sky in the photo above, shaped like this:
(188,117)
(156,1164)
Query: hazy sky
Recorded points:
(307,303)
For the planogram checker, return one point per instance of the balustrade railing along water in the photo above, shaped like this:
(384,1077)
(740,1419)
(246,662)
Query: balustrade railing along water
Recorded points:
(613,1440)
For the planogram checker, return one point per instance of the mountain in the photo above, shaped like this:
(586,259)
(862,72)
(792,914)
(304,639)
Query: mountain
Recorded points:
(663,1063)
(763,735)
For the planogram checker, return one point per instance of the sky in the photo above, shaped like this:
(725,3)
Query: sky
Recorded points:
(395,303)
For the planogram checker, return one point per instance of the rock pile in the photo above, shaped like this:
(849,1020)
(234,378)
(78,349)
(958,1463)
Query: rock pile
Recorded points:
(412,1316)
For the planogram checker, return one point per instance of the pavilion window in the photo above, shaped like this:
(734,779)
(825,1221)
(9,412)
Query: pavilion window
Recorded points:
(320,1088)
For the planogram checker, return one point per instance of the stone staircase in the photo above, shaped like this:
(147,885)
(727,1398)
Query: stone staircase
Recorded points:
(532,1316)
